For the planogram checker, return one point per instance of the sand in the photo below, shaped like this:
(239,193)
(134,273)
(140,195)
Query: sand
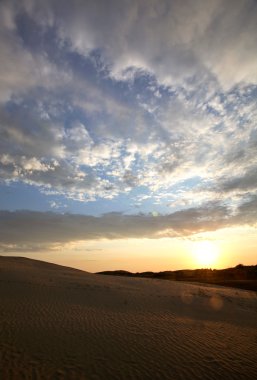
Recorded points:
(61,323)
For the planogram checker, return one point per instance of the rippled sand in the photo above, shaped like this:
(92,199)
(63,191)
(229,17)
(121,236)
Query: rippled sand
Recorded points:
(61,323)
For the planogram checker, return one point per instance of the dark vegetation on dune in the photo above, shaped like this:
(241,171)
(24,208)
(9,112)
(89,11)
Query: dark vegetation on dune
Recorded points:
(243,277)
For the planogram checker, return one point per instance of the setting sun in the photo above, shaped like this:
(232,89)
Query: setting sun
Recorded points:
(205,253)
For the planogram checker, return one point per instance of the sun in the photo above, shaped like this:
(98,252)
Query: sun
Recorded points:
(205,253)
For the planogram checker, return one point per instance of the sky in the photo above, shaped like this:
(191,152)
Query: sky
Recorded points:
(128,132)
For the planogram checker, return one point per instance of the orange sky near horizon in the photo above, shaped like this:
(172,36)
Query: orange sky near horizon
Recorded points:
(229,247)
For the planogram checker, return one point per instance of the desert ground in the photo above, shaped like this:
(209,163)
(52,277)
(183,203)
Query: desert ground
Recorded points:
(61,323)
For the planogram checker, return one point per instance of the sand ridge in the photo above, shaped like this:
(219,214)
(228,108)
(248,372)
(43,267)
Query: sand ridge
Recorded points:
(62,323)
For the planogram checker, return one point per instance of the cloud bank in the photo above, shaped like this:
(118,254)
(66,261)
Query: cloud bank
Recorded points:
(32,231)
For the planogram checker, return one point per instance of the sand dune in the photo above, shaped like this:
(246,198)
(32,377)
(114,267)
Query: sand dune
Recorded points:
(61,323)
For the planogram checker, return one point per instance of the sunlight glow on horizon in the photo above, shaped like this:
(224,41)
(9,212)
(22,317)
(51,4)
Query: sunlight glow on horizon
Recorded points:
(226,248)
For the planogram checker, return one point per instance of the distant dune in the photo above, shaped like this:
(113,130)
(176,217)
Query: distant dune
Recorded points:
(241,277)
(61,323)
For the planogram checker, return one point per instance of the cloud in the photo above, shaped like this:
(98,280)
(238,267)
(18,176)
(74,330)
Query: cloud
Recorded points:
(247,181)
(21,70)
(168,38)
(39,152)
(31,231)
(27,228)
(81,162)
(247,211)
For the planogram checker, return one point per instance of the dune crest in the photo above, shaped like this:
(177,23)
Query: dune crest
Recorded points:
(62,323)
